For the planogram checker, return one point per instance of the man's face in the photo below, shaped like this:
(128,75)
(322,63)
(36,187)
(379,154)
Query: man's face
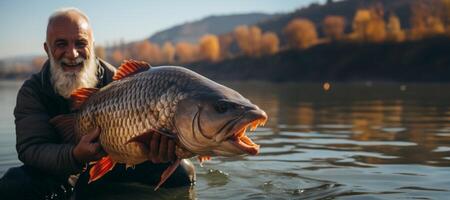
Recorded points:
(70,50)
(69,42)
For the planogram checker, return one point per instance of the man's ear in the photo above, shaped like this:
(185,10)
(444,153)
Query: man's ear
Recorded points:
(46,49)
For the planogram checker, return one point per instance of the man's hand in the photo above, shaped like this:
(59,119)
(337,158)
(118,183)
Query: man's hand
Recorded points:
(89,149)
(162,149)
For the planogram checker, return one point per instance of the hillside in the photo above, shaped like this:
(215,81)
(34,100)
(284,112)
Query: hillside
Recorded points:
(315,12)
(347,8)
(414,61)
(217,25)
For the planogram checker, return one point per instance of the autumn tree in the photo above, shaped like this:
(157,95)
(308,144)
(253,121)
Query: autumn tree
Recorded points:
(269,43)
(21,68)
(426,20)
(117,57)
(168,52)
(377,27)
(241,33)
(209,48)
(301,33)
(100,52)
(394,29)
(446,14)
(37,63)
(248,39)
(255,37)
(360,23)
(333,27)
(225,42)
(186,52)
(435,25)
(146,51)
(369,25)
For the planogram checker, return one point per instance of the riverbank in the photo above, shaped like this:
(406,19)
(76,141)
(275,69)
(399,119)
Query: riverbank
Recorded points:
(413,61)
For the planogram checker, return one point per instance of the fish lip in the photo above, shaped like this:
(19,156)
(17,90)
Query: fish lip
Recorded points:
(238,135)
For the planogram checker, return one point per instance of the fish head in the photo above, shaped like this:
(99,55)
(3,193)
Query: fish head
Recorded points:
(214,121)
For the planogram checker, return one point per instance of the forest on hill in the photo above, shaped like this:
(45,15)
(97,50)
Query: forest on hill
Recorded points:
(425,60)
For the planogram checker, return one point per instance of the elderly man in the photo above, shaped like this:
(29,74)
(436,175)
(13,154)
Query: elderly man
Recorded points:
(48,159)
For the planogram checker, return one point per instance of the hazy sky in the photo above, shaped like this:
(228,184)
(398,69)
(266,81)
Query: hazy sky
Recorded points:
(24,22)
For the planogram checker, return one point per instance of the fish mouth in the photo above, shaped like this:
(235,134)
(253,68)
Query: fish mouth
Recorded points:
(252,119)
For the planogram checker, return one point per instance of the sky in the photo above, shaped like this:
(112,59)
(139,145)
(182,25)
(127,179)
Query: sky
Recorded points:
(24,22)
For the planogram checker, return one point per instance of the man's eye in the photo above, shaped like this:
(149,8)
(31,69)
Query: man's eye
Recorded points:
(61,44)
(81,44)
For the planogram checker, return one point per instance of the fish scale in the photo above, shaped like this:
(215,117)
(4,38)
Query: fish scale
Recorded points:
(129,114)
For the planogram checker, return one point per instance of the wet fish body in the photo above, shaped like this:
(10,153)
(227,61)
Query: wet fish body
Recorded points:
(202,116)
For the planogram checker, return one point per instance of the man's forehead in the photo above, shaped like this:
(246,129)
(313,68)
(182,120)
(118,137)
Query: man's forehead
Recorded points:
(68,26)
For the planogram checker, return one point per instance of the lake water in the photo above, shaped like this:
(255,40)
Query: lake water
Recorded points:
(353,141)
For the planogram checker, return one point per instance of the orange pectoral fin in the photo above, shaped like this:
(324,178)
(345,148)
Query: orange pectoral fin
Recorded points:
(202,159)
(102,167)
(166,174)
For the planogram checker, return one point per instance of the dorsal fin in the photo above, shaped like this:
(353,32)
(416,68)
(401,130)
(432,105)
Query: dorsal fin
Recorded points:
(130,67)
(80,96)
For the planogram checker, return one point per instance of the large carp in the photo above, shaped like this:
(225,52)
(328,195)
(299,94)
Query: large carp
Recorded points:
(203,117)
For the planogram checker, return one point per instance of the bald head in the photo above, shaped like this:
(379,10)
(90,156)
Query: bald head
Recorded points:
(68,16)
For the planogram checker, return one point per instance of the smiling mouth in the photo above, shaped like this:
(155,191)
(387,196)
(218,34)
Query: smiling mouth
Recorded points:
(242,141)
(72,67)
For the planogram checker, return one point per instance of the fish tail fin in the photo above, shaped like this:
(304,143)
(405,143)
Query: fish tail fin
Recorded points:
(103,166)
(168,172)
(65,126)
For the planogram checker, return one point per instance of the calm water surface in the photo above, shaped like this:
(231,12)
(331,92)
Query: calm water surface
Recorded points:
(354,141)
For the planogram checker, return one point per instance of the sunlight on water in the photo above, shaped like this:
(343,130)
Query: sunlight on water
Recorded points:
(346,142)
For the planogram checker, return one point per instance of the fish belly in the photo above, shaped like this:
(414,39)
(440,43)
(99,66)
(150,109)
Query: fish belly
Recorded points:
(115,141)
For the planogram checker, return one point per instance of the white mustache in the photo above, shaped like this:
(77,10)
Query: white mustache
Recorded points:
(77,61)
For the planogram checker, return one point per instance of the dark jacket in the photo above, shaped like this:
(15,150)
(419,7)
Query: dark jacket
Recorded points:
(38,144)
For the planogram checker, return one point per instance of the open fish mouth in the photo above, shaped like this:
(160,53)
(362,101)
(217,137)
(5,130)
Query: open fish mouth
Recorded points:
(241,140)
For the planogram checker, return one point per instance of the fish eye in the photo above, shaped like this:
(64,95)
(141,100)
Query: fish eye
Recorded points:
(221,107)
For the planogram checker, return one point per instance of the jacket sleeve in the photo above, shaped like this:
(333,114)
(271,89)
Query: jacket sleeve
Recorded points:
(38,144)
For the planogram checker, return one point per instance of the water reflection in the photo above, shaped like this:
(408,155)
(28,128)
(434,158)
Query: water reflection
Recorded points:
(389,128)
(386,132)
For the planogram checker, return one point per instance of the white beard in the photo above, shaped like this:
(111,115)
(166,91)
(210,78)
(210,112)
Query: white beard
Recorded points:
(65,83)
